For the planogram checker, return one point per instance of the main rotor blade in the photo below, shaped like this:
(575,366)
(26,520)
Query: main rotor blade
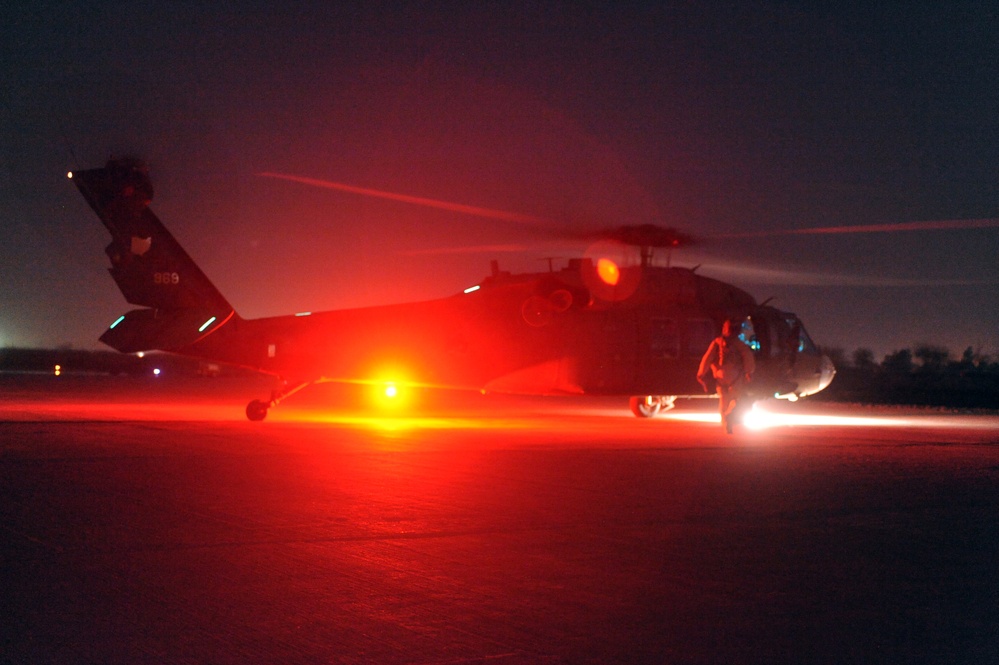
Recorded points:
(759,274)
(417,200)
(473,249)
(933,225)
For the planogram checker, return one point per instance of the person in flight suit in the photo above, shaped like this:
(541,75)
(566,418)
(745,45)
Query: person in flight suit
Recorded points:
(729,364)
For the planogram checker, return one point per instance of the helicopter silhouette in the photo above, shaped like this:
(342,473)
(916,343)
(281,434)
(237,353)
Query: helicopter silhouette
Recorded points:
(590,327)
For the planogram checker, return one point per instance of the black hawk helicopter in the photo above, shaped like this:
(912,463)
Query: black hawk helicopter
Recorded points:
(589,328)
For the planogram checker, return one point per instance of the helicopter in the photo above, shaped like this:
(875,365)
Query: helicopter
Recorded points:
(591,327)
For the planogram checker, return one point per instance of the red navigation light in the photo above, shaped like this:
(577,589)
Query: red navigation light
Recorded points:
(608,271)
(390,389)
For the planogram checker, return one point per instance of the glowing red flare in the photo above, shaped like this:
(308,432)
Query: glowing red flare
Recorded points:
(608,271)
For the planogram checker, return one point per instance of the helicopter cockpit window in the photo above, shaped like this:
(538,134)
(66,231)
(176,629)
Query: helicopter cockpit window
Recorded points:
(748,335)
(805,343)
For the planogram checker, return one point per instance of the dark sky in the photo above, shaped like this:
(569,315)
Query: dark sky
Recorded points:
(711,117)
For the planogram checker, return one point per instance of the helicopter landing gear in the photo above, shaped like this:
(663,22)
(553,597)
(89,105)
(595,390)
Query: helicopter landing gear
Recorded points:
(257,409)
(650,406)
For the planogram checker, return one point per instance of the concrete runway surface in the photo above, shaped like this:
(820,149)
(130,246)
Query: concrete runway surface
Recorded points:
(148,521)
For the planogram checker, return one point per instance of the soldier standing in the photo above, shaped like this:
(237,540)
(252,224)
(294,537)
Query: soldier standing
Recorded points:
(729,363)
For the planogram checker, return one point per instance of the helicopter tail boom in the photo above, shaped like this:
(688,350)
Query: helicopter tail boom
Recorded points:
(149,266)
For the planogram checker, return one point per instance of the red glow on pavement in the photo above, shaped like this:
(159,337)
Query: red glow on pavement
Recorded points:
(90,411)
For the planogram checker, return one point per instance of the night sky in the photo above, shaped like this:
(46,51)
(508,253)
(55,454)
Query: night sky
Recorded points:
(712,118)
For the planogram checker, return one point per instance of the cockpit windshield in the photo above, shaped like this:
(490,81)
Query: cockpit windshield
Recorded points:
(748,334)
(772,333)
(805,343)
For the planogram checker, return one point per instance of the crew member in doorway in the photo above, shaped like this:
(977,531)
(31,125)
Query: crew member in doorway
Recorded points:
(728,364)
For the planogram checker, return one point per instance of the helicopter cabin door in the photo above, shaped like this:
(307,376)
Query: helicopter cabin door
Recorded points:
(670,348)
(609,352)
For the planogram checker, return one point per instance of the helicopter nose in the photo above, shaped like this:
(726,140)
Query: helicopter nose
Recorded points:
(826,372)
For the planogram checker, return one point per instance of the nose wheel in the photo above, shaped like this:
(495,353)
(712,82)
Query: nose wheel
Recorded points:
(649,406)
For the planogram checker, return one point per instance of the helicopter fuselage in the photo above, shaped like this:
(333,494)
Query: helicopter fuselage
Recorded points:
(637,331)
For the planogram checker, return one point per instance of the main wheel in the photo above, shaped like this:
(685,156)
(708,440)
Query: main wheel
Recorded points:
(645,406)
(257,410)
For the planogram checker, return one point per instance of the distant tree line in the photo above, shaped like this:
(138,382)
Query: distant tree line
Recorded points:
(924,376)
(70,361)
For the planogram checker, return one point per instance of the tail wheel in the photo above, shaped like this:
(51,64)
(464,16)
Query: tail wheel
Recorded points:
(257,410)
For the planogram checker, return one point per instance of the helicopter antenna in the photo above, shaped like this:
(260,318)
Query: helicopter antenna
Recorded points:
(646,254)
(647,237)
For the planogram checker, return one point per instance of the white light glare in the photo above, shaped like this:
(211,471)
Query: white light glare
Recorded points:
(759,418)
(473,289)
(694,416)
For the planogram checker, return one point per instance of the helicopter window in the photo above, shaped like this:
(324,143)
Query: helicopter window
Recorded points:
(700,332)
(805,343)
(664,341)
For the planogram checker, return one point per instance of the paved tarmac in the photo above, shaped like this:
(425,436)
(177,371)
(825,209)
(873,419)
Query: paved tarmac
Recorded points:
(144,522)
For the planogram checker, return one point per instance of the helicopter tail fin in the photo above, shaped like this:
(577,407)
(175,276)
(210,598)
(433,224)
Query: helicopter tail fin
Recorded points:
(149,266)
